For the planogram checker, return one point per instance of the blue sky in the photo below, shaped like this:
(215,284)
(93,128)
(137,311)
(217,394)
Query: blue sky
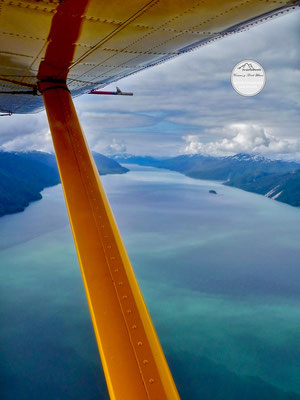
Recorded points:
(187,105)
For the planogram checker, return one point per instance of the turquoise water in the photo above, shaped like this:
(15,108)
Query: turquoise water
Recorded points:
(220,275)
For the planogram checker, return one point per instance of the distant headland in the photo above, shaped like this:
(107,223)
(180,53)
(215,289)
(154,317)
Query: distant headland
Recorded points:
(23,175)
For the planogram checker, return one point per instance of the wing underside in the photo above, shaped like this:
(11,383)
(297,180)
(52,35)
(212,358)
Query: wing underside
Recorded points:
(113,41)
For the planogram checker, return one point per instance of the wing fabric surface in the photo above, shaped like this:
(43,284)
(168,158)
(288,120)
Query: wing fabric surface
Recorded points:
(114,40)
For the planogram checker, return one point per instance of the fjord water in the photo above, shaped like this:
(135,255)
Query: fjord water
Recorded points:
(220,275)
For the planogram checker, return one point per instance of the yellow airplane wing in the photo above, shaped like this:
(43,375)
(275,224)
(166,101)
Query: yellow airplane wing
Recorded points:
(51,50)
(111,39)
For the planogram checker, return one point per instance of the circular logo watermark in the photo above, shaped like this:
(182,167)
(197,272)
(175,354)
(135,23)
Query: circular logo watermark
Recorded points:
(248,78)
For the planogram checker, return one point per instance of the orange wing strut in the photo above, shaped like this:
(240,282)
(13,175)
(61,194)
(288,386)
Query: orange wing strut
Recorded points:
(133,361)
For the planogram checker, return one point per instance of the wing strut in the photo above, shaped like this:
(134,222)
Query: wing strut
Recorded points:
(133,361)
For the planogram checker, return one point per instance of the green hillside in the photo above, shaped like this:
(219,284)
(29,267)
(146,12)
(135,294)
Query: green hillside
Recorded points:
(280,187)
(24,175)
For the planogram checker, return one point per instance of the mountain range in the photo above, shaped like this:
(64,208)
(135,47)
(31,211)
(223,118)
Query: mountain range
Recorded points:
(23,175)
(277,179)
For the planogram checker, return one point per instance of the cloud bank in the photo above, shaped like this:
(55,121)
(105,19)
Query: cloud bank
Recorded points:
(188,104)
(244,138)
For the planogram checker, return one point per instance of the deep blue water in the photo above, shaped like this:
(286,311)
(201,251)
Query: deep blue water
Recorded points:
(220,275)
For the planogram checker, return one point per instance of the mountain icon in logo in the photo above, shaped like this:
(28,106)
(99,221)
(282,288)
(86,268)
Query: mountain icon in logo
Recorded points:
(247,65)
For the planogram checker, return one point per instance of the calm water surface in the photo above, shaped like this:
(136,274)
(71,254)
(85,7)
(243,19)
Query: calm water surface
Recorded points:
(220,275)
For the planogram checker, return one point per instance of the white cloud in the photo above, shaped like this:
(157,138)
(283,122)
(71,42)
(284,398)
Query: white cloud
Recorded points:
(40,141)
(244,138)
(116,147)
(25,132)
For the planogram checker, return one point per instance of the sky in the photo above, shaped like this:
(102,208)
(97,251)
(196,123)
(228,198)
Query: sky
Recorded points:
(187,105)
